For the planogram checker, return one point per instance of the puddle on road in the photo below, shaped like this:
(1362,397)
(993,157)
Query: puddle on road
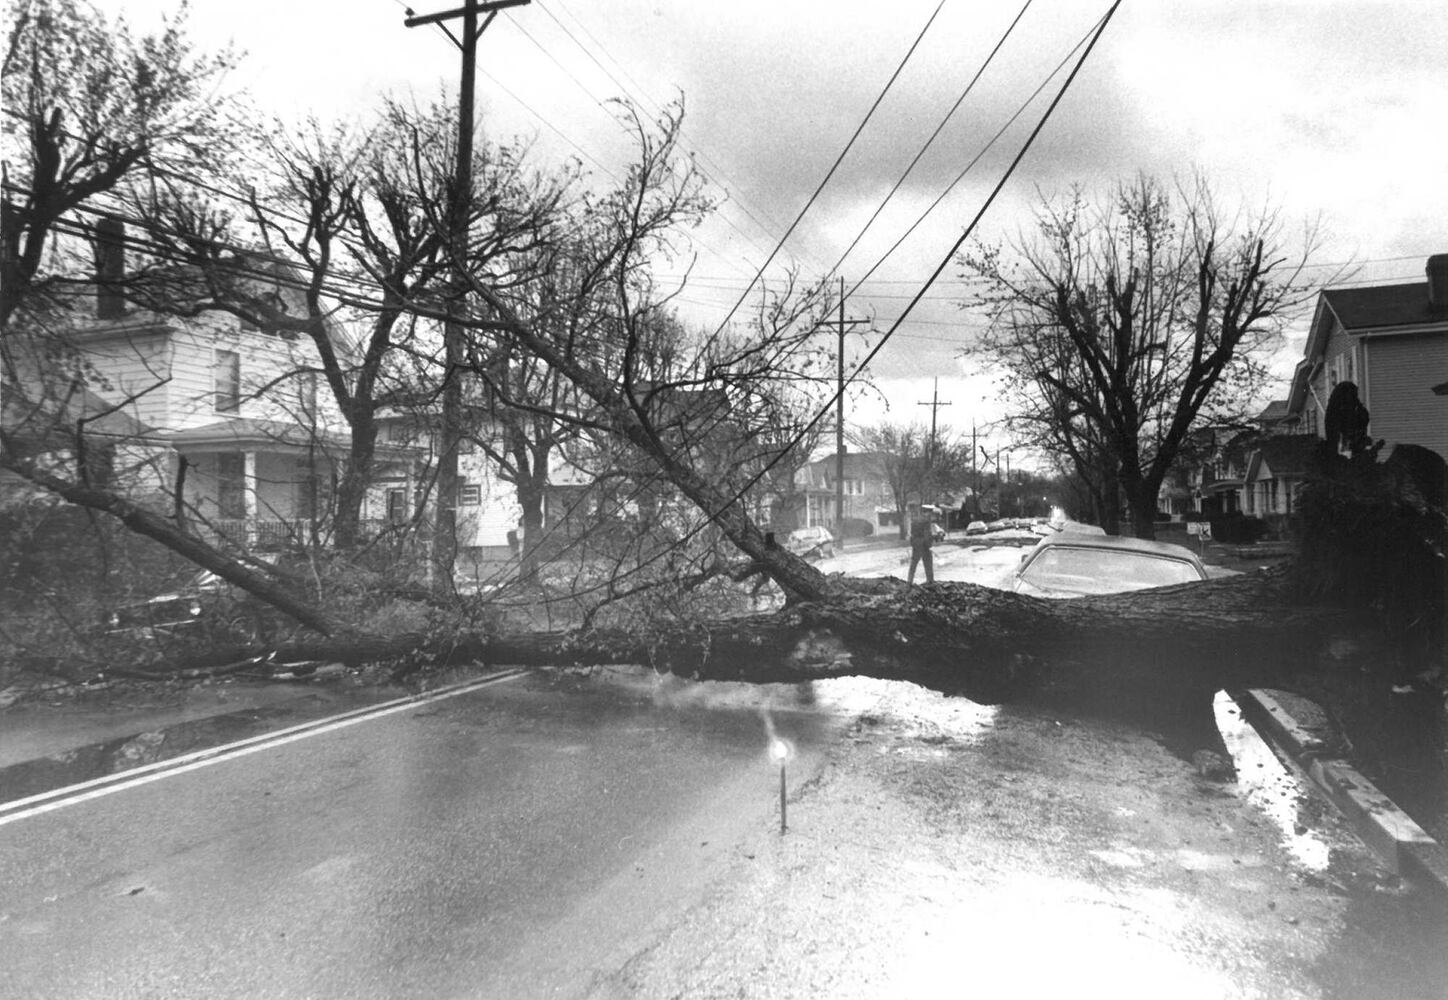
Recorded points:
(101,760)
(1272,787)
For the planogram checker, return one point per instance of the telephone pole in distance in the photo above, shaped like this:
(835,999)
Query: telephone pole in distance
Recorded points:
(840,418)
(935,404)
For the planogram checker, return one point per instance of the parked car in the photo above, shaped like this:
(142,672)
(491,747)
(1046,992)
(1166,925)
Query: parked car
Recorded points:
(976,528)
(1074,564)
(170,611)
(205,604)
(814,541)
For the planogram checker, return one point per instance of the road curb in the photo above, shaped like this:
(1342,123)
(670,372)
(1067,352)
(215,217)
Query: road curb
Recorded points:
(1300,729)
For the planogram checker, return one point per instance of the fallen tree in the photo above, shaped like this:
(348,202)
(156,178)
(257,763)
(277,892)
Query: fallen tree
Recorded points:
(962,639)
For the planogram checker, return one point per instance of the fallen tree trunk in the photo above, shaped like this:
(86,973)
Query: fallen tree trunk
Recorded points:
(150,525)
(962,639)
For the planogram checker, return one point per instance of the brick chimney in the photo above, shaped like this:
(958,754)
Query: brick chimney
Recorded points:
(110,251)
(1438,282)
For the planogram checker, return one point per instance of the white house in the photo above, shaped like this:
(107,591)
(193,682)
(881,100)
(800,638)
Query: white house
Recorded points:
(229,416)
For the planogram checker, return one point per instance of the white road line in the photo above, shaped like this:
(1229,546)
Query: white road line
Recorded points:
(84,791)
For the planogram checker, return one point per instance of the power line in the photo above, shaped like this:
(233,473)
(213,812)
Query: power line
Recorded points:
(838,160)
(767,225)
(548,124)
(990,199)
(602,105)
(940,127)
(1010,170)
(985,149)
(782,352)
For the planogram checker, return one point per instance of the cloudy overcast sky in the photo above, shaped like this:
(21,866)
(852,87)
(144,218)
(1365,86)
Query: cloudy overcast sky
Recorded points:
(1327,109)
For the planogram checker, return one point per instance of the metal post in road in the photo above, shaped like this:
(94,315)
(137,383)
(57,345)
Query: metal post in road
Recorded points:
(779,750)
(459,208)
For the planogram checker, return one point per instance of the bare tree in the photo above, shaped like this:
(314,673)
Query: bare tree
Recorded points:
(904,448)
(1121,324)
(352,219)
(619,234)
(90,109)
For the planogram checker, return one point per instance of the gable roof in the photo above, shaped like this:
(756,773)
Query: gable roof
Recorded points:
(52,422)
(1275,410)
(1287,456)
(861,465)
(1376,306)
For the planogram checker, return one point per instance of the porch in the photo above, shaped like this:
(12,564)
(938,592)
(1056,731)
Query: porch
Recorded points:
(267,485)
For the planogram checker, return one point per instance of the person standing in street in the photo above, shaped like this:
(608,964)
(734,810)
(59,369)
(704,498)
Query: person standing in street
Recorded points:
(921,539)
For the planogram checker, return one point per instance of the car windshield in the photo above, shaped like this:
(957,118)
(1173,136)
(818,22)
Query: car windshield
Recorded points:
(1104,571)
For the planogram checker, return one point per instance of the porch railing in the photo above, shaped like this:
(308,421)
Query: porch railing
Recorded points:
(268,534)
(271,534)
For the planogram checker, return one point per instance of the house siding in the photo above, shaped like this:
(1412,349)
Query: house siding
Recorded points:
(1341,350)
(1401,371)
(132,368)
(487,522)
(264,359)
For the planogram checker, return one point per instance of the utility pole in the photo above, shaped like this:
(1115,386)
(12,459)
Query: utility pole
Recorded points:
(935,404)
(840,417)
(974,469)
(445,533)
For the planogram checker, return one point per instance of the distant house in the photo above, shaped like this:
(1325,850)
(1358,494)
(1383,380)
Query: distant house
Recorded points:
(227,414)
(1208,478)
(867,493)
(486,507)
(1276,470)
(1392,342)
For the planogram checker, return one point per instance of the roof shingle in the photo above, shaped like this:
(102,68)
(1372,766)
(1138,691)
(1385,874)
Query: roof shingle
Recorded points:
(1383,305)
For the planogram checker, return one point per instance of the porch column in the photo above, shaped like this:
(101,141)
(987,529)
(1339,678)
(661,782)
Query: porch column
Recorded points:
(249,495)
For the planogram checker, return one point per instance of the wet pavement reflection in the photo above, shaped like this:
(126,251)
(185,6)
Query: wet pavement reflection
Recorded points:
(1270,785)
(105,758)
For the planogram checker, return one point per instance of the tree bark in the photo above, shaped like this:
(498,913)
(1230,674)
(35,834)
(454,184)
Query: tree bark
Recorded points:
(988,645)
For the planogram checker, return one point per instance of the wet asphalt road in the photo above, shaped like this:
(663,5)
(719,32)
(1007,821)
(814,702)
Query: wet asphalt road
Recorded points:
(498,843)
(617,836)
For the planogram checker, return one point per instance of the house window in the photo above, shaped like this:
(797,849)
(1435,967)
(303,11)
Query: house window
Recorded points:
(1342,369)
(231,485)
(314,489)
(227,376)
(396,506)
(854,488)
(470,495)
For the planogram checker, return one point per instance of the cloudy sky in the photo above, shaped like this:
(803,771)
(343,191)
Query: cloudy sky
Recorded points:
(1327,109)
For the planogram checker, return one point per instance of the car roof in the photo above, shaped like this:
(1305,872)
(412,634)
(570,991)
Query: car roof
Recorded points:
(1081,540)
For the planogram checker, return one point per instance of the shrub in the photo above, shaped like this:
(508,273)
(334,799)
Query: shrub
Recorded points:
(855,527)
(1238,529)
